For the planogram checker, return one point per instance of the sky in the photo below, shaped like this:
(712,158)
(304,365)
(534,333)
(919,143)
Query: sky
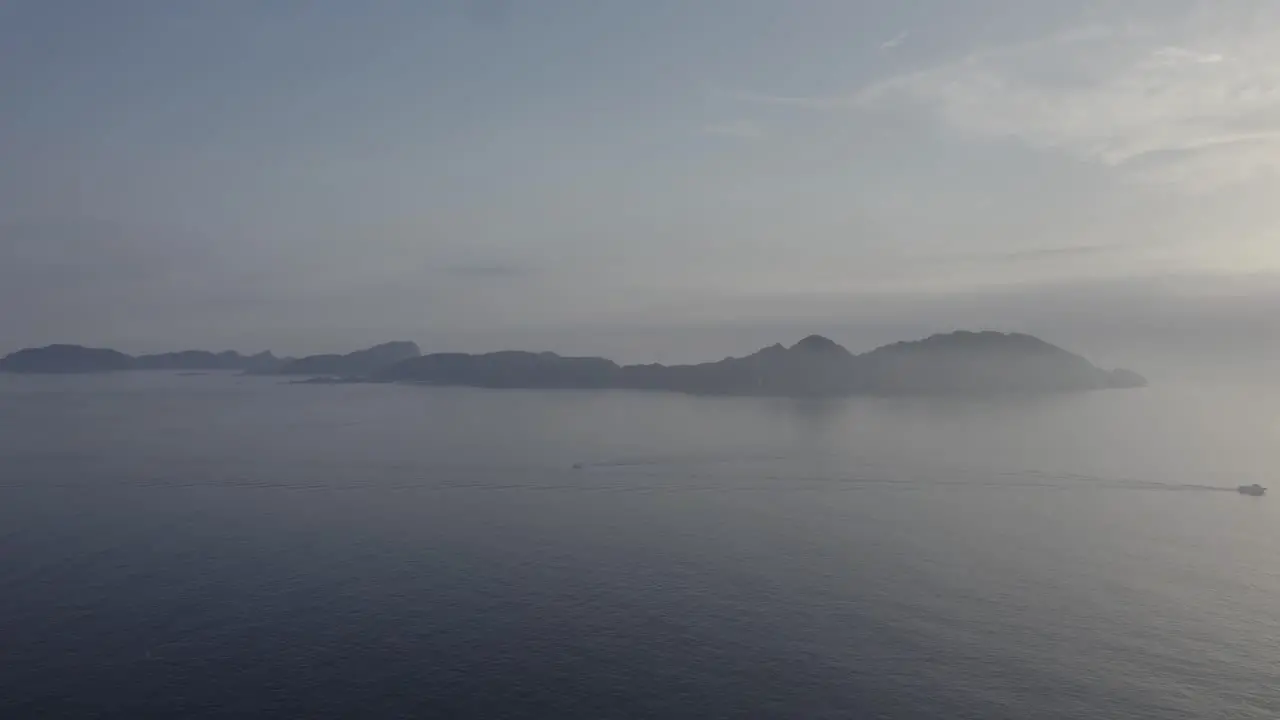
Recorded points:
(661,180)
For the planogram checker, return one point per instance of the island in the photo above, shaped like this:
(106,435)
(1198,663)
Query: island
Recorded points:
(954,363)
(64,358)
(206,360)
(973,363)
(357,364)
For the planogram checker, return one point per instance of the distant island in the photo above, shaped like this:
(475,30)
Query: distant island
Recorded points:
(66,359)
(362,363)
(205,360)
(80,359)
(953,363)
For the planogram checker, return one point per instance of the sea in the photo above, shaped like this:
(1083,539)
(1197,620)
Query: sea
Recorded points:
(221,546)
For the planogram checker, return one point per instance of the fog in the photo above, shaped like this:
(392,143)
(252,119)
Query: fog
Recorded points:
(372,523)
(658,183)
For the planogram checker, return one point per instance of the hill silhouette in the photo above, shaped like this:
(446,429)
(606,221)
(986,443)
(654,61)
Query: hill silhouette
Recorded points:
(205,360)
(359,363)
(65,359)
(961,362)
(952,363)
(989,361)
(79,359)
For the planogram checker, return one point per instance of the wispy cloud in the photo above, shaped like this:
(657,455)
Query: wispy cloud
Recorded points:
(1055,253)
(894,41)
(1174,56)
(497,270)
(744,129)
(1169,104)
(1048,256)
(1193,103)
(804,102)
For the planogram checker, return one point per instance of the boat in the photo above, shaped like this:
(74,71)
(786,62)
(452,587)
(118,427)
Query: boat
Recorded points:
(1254,489)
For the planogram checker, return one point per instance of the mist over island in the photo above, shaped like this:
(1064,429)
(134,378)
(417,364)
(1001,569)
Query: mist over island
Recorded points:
(955,363)
(675,359)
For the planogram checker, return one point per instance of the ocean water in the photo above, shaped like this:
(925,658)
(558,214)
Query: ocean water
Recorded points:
(230,547)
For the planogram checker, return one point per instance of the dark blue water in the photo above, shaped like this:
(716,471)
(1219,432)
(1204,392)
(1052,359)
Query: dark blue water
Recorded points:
(226,547)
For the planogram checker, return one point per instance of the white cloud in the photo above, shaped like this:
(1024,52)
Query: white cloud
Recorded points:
(744,129)
(818,102)
(894,41)
(1193,103)
(1173,56)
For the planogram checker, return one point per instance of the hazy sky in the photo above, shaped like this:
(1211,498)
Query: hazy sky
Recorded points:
(662,179)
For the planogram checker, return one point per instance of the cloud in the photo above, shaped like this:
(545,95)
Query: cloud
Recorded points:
(1173,56)
(1050,257)
(1057,253)
(744,129)
(1171,103)
(489,270)
(818,102)
(1191,102)
(894,41)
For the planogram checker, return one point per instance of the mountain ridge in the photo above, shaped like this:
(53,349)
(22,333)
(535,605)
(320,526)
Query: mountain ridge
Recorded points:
(961,362)
(951,363)
(360,362)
